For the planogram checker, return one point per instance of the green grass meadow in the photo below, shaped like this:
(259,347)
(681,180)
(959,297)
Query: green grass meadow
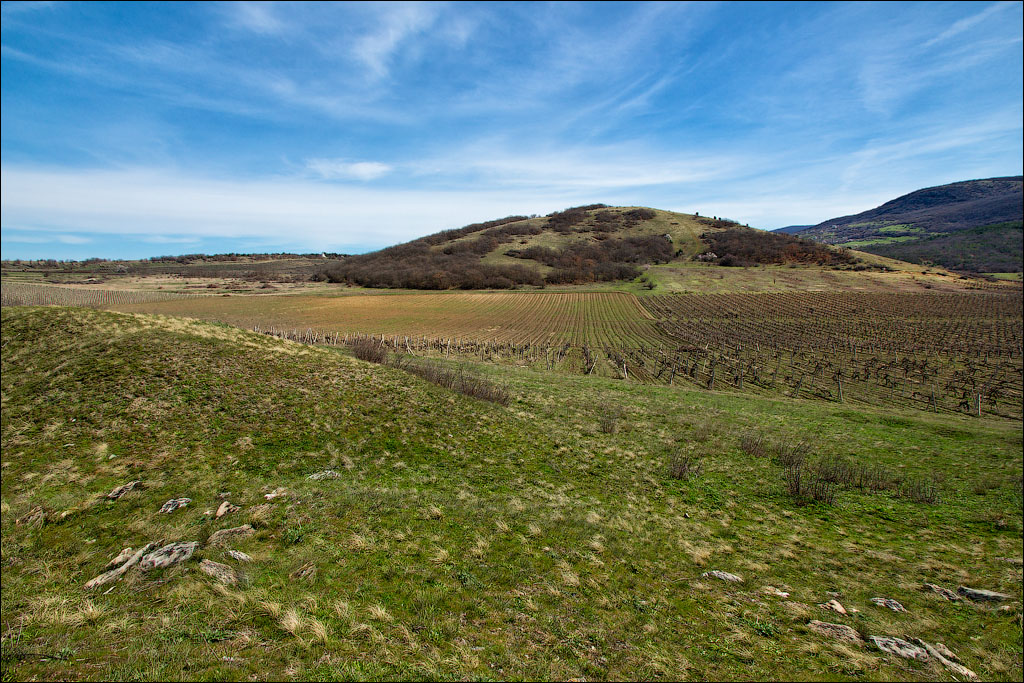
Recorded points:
(465,540)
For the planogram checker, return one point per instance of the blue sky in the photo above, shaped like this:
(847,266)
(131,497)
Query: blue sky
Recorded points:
(132,130)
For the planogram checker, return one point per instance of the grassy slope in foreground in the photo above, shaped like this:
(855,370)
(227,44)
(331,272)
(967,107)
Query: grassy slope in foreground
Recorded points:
(466,540)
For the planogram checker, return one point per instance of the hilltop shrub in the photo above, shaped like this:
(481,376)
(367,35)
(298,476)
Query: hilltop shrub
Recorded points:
(739,246)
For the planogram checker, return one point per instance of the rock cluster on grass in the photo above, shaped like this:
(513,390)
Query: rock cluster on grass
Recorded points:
(833,606)
(168,556)
(900,648)
(118,572)
(120,559)
(944,592)
(124,488)
(945,656)
(923,652)
(889,603)
(981,595)
(173,504)
(326,474)
(226,508)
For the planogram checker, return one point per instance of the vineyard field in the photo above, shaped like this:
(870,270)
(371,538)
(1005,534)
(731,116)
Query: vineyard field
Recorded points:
(31,294)
(944,352)
(575,318)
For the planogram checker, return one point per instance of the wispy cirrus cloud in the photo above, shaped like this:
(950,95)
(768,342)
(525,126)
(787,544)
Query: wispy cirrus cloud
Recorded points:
(342,169)
(258,17)
(967,23)
(376,48)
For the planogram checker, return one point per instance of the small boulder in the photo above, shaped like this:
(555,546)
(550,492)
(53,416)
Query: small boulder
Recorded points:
(173,504)
(220,572)
(723,576)
(889,603)
(326,474)
(226,508)
(837,631)
(949,660)
(239,555)
(168,556)
(833,606)
(944,592)
(900,648)
(981,595)
(124,488)
(228,535)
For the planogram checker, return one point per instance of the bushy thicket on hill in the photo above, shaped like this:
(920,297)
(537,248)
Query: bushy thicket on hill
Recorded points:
(986,249)
(747,247)
(416,266)
(609,259)
(420,265)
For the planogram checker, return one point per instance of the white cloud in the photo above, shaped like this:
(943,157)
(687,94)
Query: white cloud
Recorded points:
(967,23)
(398,23)
(143,204)
(341,169)
(258,17)
(49,238)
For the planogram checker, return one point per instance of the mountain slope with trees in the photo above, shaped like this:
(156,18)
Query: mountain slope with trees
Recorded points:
(973,225)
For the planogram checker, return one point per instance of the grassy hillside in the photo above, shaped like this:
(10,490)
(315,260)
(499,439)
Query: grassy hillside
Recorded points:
(580,245)
(563,536)
(972,226)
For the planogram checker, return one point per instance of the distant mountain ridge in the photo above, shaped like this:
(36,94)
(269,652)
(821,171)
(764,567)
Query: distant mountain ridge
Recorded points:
(969,225)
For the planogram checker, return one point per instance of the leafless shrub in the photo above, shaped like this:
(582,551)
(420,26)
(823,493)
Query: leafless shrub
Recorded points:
(461,381)
(685,466)
(790,453)
(609,418)
(368,349)
(920,489)
(805,482)
(836,470)
(754,444)
(850,474)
